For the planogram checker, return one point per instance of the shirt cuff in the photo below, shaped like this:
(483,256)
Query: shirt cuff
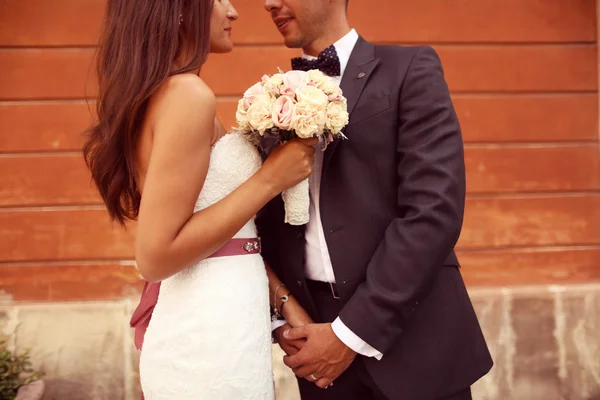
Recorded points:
(354,342)
(277,324)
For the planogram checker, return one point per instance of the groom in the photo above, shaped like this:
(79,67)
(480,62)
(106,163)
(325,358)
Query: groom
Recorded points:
(375,267)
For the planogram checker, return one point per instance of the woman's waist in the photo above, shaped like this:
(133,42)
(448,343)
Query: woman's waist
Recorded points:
(214,282)
(223,267)
(231,251)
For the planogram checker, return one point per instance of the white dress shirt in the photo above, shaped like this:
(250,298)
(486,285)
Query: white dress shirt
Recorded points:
(318,262)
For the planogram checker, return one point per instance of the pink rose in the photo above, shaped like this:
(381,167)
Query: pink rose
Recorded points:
(293,80)
(256,89)
(283,111)
(255,92)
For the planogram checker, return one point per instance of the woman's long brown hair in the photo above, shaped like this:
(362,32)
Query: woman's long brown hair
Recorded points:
(140,41)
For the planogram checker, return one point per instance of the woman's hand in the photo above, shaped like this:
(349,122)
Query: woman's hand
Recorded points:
(289,164)
(296,316)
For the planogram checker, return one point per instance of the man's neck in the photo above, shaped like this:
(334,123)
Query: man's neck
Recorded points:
(323,42)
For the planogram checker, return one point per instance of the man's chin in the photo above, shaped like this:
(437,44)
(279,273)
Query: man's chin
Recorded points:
(292,42)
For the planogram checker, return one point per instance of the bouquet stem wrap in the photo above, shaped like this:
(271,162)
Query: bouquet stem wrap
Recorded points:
(296,201)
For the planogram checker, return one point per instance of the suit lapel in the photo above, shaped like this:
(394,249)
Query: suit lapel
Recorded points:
(360,66)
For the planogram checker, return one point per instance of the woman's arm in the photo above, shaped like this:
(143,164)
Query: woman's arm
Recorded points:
(170,236)
(292,311)
(295,316)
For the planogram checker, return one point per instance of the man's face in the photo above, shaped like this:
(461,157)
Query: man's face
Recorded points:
(300,22)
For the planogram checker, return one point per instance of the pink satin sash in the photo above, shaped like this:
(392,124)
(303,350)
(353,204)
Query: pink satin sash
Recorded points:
(143,312)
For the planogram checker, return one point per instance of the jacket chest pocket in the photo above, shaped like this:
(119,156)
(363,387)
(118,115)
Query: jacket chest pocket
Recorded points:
(370,107)
(372,126)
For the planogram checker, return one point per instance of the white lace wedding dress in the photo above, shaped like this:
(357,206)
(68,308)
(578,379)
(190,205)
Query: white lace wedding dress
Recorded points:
(210,335)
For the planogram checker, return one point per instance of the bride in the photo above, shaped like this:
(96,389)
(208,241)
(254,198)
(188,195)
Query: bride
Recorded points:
(159,156)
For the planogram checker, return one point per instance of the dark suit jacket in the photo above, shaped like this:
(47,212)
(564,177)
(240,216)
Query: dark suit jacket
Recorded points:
(392,202)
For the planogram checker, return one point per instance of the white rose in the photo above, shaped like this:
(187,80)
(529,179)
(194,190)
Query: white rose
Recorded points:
(337,98)
(317,78)
(308,120)
(259,115)
(273,84)
(337,117)
(275,80)
(313,96)
(241,116)
(332,89)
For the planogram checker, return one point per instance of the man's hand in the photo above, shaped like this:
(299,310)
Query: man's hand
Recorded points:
(323,358)
(290,346)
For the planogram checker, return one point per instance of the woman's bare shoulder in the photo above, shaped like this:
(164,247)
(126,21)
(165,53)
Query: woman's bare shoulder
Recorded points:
(182,109)
(186,90)
(186,99)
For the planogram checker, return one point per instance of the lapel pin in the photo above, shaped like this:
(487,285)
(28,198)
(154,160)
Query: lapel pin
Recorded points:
(361,75)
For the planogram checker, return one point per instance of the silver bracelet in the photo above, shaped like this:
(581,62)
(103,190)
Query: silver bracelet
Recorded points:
(284,299)
(275,294)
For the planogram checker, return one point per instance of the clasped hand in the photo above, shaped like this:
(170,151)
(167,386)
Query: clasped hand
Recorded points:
(314,352)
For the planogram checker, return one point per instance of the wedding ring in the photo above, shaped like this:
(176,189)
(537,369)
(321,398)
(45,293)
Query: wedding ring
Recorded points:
(313,377)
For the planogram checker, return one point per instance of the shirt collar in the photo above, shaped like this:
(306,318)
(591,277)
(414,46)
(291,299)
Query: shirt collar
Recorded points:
(344,48)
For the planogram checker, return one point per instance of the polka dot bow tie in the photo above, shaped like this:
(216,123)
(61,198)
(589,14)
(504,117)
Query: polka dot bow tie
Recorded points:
(327,62)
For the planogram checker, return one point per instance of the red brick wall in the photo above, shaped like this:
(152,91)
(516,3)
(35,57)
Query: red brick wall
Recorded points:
(523,75)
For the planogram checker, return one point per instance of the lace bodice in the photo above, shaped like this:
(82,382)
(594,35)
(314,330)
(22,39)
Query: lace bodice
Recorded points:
(232,162)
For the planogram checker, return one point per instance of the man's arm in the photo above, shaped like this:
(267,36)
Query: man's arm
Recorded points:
(351,340)
(431,199)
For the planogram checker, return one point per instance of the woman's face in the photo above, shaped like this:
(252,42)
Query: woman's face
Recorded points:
(223,15)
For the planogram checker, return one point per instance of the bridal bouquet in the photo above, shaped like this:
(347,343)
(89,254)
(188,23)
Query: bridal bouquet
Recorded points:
(288,105)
